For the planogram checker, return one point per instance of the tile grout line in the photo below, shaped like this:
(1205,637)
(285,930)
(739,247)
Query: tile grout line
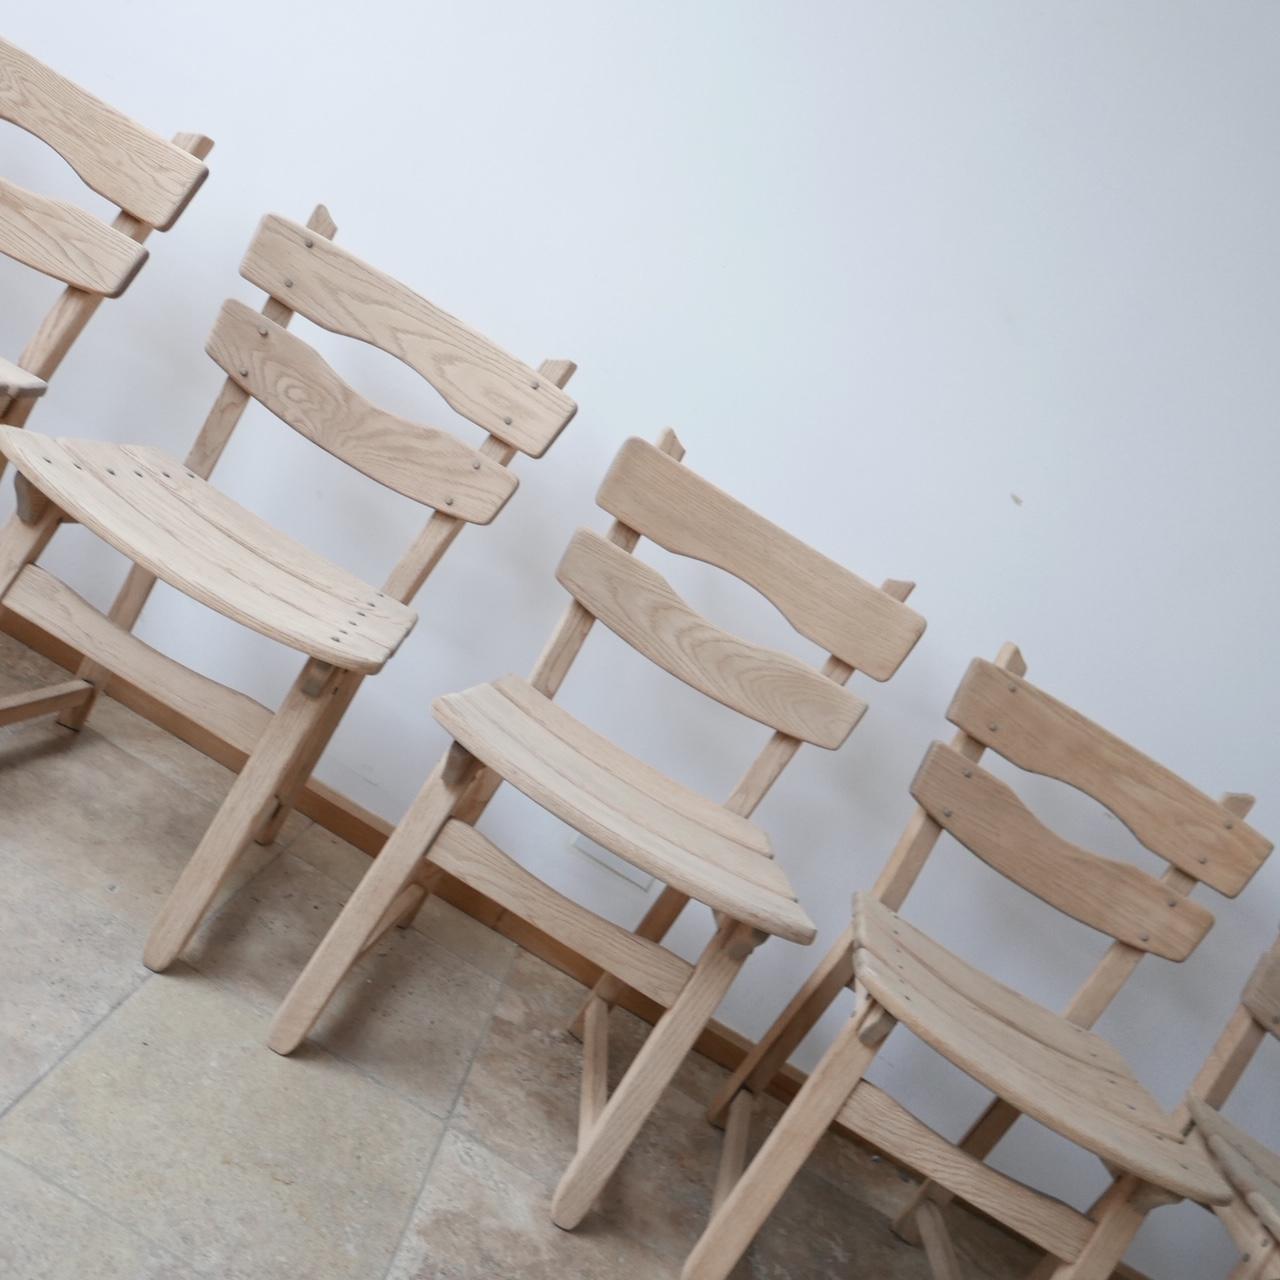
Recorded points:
(446,1126)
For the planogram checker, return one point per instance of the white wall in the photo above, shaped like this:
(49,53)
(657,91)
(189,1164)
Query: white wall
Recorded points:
(981,295)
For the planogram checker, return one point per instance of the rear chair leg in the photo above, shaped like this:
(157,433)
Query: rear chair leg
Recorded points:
(370,906)
(235,822)
(743,1212)
(1119,1219)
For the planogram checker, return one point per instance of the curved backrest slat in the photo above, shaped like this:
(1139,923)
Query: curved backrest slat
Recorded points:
(292,380)
(338,291)
(674,507)
(638,604)
(987,817)
(65,242)
(1169,816)
(132,167)
(1262,991)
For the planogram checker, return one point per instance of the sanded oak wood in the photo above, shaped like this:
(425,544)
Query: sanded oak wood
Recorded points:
(1063,1075)
(1174,820)
(132,167)
(59,240)
(1252,1168)
(338,291)
(679,510)
(637,603)
(1262,991)
(574,775)
(17,384)
(22,706)
(298,386)
(180,528)
(987,817)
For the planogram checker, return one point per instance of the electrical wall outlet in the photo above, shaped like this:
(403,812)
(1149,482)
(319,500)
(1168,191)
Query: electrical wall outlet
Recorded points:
(610,861)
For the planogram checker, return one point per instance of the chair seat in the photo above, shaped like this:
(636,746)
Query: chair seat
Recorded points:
(162,516)
(1251,1168)
(1058,1073)
(685,840)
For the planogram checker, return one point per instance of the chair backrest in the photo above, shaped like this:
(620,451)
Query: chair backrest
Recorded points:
(1204,839)
(307,273)
(148,179)
(862,626)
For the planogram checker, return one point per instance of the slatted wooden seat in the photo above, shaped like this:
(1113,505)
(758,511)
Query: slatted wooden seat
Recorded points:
(149,180)
(672,833)
(180,528)
(167,518)
(1048,1066)
(511,730)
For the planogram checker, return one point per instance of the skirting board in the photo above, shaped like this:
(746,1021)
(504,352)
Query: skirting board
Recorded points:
(367,831)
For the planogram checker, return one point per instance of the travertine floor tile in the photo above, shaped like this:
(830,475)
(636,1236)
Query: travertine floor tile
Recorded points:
(99,821)
(482,1219)
(64,964)
(452,929)
(47,1234)
(411,1014)
(175,1120)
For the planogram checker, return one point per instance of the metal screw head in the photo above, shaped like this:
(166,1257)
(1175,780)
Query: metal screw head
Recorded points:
(309,242)
(946,813)
(475,466)
(1228,824)
(534,385)
(1202,860)
(244,373)
(1144,937)
(506,421)
(1013,688)
(993,727)
(262,331)
(448,502)
(968,773)
(288,282)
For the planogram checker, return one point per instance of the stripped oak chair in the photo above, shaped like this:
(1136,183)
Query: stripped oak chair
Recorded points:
(1050,1066)
(149,180)
(175,526)
(512,730)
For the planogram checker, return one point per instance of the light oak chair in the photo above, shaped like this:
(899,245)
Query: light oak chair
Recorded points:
(149,180)
(175,526)
(1047,1065)
(512,730)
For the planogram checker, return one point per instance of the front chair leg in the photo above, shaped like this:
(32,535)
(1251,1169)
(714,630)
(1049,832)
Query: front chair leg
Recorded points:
(1119,1216)
(366,910)
(666,1047)
(235,822)
(738,1219)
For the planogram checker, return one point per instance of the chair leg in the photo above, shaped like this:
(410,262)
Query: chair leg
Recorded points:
(21,542)
(654,1066)
(1119,1220)
(770,1053)
(735,1223)
(366,910)
(235,822)
(938,1249)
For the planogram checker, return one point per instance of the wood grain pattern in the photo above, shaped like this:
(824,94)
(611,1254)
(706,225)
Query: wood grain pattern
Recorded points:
(616,808)
(32,702)
(638,604)
(1094,1102)
(674,507)
(59,240)
(180,528)
(132,167)
(1262,991)
(989,819)
(1174,820)
(334,289)
(17,384)
(292,380)
(463,852)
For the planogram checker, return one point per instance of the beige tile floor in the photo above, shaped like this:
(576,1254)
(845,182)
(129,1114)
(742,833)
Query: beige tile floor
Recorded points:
(146,1132)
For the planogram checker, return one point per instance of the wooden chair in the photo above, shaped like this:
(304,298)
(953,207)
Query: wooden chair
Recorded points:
(175,526)
(1049,1066)
(149,180)
(512,730)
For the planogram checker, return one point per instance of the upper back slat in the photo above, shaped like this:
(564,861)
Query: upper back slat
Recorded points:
(300,388)
(1169,816)
(987,817)
(336,290)
(638,604)
(1262,991)
(132,167)
(66,243)
(674,507)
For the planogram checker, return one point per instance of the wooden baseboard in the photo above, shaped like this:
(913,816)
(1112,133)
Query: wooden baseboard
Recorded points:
(368,832)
